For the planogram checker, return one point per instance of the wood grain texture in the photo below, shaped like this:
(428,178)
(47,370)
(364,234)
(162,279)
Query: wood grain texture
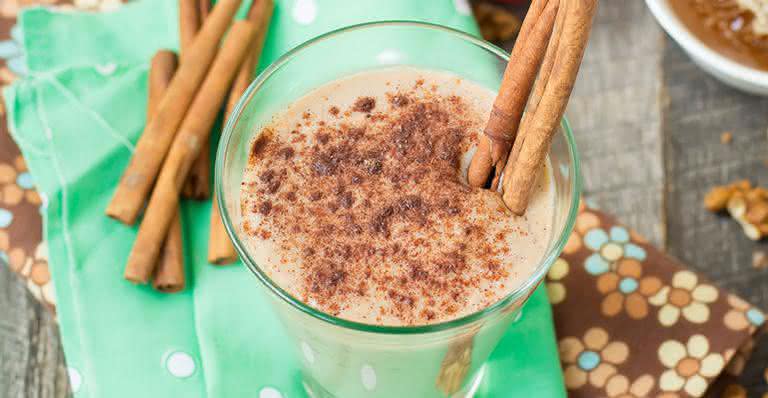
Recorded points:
(699,109)
(31,358)
(615,115)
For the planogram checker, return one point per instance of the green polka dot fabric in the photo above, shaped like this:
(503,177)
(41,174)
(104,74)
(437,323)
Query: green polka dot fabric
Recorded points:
(76,114)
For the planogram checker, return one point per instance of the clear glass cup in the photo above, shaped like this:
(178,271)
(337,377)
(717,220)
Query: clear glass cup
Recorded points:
(347,359)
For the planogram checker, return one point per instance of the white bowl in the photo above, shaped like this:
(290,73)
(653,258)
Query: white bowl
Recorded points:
(726,70)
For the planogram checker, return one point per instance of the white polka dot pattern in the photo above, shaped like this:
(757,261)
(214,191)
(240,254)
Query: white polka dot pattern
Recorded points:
(304,12)
(368,377)
(75,379)
(180,364)
(462,6)
(269,392)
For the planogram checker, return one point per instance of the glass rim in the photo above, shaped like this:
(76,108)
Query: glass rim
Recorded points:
(528,286)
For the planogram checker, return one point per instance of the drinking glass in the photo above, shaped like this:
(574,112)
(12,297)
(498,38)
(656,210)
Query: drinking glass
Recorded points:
(341,358)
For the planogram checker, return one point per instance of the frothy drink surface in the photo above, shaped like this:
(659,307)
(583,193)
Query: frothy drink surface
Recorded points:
(355,201)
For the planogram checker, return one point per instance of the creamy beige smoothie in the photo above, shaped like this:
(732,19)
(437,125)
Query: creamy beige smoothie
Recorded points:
(355,201)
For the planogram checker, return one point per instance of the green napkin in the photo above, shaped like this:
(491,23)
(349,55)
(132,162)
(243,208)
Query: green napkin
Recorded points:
(76,117)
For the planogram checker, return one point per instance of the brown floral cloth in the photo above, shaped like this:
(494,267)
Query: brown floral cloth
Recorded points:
(631,321)
(21,244)
(20,217)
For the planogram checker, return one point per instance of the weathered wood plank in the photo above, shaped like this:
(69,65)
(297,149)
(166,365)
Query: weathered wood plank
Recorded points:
(615,115)
(699,109)
(31,359)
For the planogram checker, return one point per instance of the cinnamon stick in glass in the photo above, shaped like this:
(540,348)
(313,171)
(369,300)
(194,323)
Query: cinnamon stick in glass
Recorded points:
(185,147)
(220,248)
(545,121)
(538,89)
(137,180)
(198,183)
(519,75)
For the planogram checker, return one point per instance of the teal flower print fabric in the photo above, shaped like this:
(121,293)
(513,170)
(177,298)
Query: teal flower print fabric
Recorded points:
(633,322)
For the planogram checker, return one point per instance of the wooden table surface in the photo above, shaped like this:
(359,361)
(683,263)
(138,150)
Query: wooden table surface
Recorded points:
(648,125)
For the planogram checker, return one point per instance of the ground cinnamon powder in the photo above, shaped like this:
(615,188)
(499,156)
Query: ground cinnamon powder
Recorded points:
(379,208)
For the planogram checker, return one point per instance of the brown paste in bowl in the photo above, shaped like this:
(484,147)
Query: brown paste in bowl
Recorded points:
(729,27)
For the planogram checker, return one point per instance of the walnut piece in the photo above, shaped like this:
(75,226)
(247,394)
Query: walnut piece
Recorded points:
(759,259)
(746,204)
(726,137)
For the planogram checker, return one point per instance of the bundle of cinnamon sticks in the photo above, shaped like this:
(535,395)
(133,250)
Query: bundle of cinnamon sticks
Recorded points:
(548,51)
(172,155)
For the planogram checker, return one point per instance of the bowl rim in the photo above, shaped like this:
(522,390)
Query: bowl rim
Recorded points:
(523,291)
(671,24)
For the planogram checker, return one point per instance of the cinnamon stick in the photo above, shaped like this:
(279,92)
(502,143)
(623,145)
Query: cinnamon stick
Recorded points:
(185,147)
(169,276)
(153,145)
(198,184)
(221,251)
(545,121)
(161,69)
(199,180)
(205,8)
(501,129)
(541,83)
(189,23)
(220,248)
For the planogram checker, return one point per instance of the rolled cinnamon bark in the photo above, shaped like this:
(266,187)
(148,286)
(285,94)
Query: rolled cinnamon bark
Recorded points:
(185,147)
(199,181)
(198,184)
(545,121)
(137,180)
(221,251)
(189,23)
(161,69)
(519,75)
(541,84)
(169,276)
(205,8)
(220,248)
